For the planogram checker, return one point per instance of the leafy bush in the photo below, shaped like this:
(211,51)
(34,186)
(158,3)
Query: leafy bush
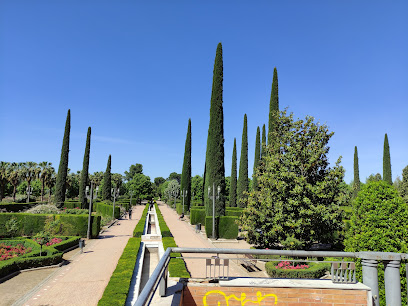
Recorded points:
(72,204)
(44,209)
(315,270)
(12,226)
(234,211)
(164,229)
(116,291)
(106,209)
(379,223)
(179,208)
(66,243)
(75,211)
(16,207)
(225,227)
(197,215)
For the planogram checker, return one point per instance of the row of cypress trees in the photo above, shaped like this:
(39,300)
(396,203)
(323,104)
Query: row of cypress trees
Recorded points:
(387,176)
(60,186)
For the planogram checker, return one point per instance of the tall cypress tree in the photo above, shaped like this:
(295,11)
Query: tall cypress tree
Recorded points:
(215,169)
(356,174)
(60,185)
(387,162)
(256,159)
(242,185)
(273,105)
(85,169)
(263,146)
(186,173)
(107,181)
(233,187)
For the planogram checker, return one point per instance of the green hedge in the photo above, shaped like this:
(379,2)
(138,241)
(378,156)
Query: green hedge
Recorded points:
(164,229)
(234,211)
(225,227)
(67,243)
(31,224)
(72,204)
(138,231)
(117,290)
(197,215)
(16,207)
(179,209)
(315,270)
(106,209)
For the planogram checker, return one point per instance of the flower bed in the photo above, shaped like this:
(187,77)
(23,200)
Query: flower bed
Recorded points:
(11,251)
(285,269)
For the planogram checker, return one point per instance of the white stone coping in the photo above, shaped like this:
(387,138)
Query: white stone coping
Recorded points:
(291,283)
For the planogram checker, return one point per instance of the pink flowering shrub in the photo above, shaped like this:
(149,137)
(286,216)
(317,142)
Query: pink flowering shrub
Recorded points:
(53,241)
(287,265)
(10,251)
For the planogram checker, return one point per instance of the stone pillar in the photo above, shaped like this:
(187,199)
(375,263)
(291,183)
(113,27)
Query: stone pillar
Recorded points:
(392,282)
(370,278)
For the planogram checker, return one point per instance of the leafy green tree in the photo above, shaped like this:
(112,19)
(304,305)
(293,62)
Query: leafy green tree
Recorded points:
(233,187)
(387,162)
(273,105)
(379,223)
(159,180)
(197,183)
(243,182)
(97,177)
(133,169)
(403,186)
(227,188)
(373,178)
(297,201)
(215,168)
(256,159)
(141,186)
(186,173)
(117,180)
(107,182)
(263,145)
(172,190)
(44,171)
(174,176)
(85,171)
(72,184)
(60,185)
(356,186)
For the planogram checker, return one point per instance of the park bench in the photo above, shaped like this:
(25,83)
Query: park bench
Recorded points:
(249,263)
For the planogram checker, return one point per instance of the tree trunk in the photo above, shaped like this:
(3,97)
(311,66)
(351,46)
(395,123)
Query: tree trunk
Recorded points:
(28,194)
(2,192)
(42,190)
(14,193)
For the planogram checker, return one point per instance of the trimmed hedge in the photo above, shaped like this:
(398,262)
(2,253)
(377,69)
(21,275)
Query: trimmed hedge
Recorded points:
(234,211)
(66,244)
(106,209)
(179,208)
(315,270)
(197,215)
(177,266)
(31,224)
(72,204)
(139,228)
(225,227)
(116,292)
(16,207)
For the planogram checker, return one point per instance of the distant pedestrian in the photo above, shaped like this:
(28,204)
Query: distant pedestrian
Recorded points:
(130,213)
(181,216)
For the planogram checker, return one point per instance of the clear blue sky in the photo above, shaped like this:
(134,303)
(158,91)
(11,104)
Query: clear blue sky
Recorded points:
(136,71)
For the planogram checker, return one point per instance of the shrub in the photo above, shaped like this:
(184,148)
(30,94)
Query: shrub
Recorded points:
(315,270)
(66,243)
(379,223)
(44,209)
(179,208)
(12,226)
(116,291)
(16,207)
(164,229)
(197,215)
(225,227)
(72,204)
(106,209)
(234,211)
(75,211)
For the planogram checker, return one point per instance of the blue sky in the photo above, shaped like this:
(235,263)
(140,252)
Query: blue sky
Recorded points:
(137,71)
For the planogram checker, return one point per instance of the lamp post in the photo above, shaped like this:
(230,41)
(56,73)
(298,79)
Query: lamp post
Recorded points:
(90,196)
(29,190)
(213,198)
(115,193)
(184,193)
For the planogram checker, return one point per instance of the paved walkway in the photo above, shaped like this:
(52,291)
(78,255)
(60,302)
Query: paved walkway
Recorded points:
(185,236)
(84,279)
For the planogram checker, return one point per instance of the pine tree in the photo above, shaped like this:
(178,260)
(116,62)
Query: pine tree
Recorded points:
(107,181)
(85,169)
(186,173)
(233,187)
(256,159)
(263,146)
(387,162)
(273,105)
(356,186)
(242,185)
(60,185)
(215,169)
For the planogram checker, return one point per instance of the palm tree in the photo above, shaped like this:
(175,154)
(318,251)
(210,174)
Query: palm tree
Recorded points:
(50,180)
(97,178)
(117,178)
(30,171)
(15,177)
(45,171)
(4,173)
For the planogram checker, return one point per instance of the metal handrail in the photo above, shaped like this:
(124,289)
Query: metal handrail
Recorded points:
(369,262)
